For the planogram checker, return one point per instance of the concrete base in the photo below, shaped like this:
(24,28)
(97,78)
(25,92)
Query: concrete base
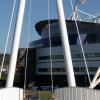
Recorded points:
(76,93)
(11,94)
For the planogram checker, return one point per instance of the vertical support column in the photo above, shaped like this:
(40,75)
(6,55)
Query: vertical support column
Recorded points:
(15,46)
(65,44)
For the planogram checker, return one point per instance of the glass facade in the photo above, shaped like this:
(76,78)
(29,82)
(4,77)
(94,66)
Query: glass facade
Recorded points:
(87,55)
(53,70)
(89,33)
(76,69)
(73,40)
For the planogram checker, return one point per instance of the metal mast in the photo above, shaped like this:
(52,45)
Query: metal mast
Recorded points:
(65,44)
(15,46)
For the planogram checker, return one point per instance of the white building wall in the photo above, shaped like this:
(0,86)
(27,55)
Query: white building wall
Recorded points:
(92,52)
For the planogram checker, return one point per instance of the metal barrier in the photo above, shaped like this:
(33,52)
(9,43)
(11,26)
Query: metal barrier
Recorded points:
(77,93)
(11,94)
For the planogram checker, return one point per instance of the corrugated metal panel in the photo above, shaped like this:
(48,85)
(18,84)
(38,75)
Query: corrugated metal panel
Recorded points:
(77,94)
(11,94)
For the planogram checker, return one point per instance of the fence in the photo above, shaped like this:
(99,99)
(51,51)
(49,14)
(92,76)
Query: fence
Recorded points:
(77,94)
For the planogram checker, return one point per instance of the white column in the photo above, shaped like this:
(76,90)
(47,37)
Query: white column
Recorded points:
(15,46)
(65,44)
(96,79)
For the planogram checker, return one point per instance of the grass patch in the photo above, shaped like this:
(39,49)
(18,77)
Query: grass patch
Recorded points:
(46,95)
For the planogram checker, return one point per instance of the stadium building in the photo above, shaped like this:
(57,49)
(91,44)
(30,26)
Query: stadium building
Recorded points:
(40,61)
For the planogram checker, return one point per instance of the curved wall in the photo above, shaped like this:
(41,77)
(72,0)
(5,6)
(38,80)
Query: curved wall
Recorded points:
(91,43)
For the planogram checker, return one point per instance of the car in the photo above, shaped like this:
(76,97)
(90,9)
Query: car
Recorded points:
(46,87)
(35,88)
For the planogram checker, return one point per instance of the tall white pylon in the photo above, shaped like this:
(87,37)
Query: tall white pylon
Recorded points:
(65,44)
(15,46)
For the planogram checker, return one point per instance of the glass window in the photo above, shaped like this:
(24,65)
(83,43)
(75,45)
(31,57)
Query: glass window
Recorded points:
(90,55)
(76,69)
(82,69)
(97,54)
(79,55)
(74,55)
(92,38)
(83,37)
(53,57)
(92,69)
(44,57)
(53,70)
(72,39)
(43,69)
